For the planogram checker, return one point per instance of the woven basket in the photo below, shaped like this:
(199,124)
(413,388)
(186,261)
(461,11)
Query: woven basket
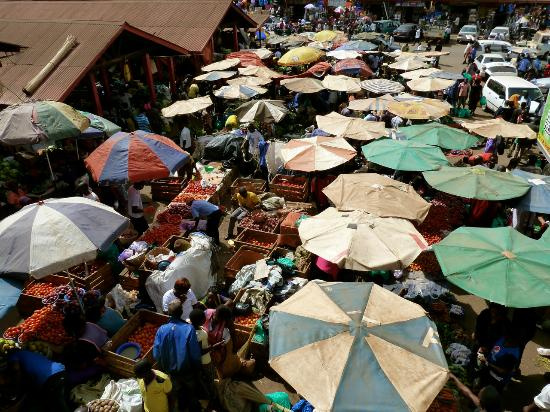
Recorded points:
(135,261)
(149,263)
(128,237)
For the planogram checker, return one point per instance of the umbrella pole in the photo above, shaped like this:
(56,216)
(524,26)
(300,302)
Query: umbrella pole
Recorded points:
(75,290)
(50,166)
(76,145)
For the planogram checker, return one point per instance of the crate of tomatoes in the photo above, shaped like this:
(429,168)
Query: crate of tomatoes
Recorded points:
(35,290)
(257,239)
(166,189)
(246,255)
(141,329)
(293,188)
(252,185)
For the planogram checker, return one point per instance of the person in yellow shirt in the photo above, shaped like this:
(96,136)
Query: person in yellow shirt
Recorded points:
(155,387)
(248,201)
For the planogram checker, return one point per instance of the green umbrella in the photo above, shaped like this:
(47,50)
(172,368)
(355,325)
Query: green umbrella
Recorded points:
(498,264)
(477,182)
(404,155)
(100,123)
(437,134)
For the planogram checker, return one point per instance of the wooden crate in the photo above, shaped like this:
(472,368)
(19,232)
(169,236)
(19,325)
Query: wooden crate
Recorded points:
(172,239)
(120,365)
(166,189)
(288,225)
(27,304)
(252,185)
(102,279)
(246,255)
(247,235)
(297,194)
(130,280)
(307,208)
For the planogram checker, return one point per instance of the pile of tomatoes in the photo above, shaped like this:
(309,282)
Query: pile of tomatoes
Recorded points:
(446,214)
(188,198)
(427,263)
(40,289)
(254,242)
(45,324)
(290,185)
(247,320)
(160,233)
(144,337)
(195,186)
(266,224)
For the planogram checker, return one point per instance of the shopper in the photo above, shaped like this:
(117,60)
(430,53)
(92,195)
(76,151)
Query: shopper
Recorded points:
(155,387)
(135,208)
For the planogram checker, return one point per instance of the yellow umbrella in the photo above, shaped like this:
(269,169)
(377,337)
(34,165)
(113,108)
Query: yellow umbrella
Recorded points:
(316,153)
(303,85)
(342,83)
(325,35)
(500,127)
(417,110)
(415,74)
(300,56)
(249,81)
(350,127)
(428,84)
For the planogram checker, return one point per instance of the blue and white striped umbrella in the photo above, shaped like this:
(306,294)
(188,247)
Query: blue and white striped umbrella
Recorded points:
(56,234)
(356,347)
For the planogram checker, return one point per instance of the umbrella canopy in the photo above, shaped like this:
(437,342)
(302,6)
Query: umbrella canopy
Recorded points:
(382,86)
(434,53)
(437,134)
(135,157)
(417,110)
(300,56)
(303,85)
(215,76)
(320,45)
(377,194)
(325,35)
(359,45)
(258,71)
(498,264)
(500,127)
(360,241)
(360,347)
(56,234)
(241,91)
(428,84)
(249,81)
(316,153)
(190,106)
(538,198)
(266,111)
(367,35)
(221,65)
(261,53)
(415,74)
(412,63)
(350,127)
(353,67)
(404,155)
(477,182)
(34,122)
(310,6)
(374,103)
(295,40)
(343,54)
(341,83)
(446,75)
(100,123)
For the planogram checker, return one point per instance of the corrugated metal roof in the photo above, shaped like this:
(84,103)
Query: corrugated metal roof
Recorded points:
(187,23)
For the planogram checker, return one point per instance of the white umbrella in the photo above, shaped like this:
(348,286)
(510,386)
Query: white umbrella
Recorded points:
(316,153)
(350,127)
(341,83)
(215,75)
(428,84)
(266,111)
(187,106)
(373,103)
(221,65)
(415,74)
(262,53)
(55,234)
(408,64)
(344,54)
(239,92)
(382,86)
(303,85)
(258,71)
(249,81)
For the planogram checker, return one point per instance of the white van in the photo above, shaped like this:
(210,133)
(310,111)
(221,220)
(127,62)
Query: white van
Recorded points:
(494,46)
(540,42)
(498,89)
(500,33)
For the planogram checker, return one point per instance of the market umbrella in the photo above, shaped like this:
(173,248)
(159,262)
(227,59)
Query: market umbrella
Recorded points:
(377,194)
(343,54)
(215,76)
(316,153)
(325,35)
(359,45)
(367,35)
(359,347)
(275,39)
(350,127)
(538,198)
(341,83)
(428,84)
(262,53)
(446,75)
(35,122)
(135,157)
(190,106)
(353,67)
(221,65)
(499,127)
(437,134)
(382,86)
(265,111)
(300,56)
(303,85)
(258,71)
(408,64)
(295,40)
(477,182)
(249,81)
(320,45)
(497,264)
(428,54)
(374,103)
(240,91)
(56,234)
(417,110)
(415,74)
(360,241)
(406,155)
(100,123)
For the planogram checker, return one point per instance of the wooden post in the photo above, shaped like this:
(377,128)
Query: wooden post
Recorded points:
(158,62)
(95,94)
(105,80)
(235,38)
(149,76)
(172,76)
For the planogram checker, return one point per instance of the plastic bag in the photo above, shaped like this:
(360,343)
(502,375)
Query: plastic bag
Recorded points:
(126,392)
(89,391)
(273,203)
(124,300)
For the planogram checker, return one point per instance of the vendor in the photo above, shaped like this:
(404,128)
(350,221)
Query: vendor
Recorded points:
(105,317)
(248,201)
(135,208)
(16,196)
(182,291)
(202,209)
(84,190)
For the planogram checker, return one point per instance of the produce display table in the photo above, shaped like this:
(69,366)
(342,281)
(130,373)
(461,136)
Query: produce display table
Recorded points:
(293,188)
(31,296)
(257,239)
(100,276)
(252,185)
(246,255)
(166,189)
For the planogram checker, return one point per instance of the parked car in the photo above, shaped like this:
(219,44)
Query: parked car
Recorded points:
(405,32)
(500,33)
(467,33)
(386,26)
(385,45)
(494,47)
(498,89)
(540,42)
(483,59)
(500,69)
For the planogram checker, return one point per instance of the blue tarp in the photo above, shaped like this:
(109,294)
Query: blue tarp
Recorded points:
(10,289)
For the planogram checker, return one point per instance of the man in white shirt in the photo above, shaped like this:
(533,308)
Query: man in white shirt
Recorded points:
(182,291)
(396,121)
(135,208)
(417,35)
(254,137)
(185,138)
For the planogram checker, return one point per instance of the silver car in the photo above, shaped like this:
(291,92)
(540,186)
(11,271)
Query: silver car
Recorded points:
(467,33)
